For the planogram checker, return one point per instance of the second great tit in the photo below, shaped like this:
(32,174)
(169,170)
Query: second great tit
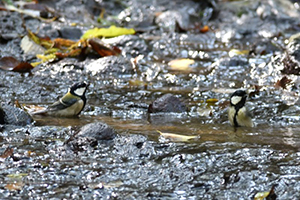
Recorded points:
(237,113)
(71,104)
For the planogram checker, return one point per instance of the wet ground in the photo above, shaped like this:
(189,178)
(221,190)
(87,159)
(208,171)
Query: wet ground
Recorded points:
(139,163)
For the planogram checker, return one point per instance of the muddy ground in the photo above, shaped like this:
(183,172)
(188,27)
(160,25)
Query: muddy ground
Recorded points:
(138,163)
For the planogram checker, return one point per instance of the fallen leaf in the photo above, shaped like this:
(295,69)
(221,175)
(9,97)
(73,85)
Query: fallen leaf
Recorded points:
(177,137)
(17,175)
(283,82)
(60,48)
(14,186)
(8,63)
(61,43)
(46,58)
(7,153)
(12,64)
(102,48)
(45,42)
(71,53)
(204,29)
(212,100)
(256,91)
(137,83)
(181,64)
(270,195)
(30,47)
(235,52)
(112,31)
(23,67)
(33,108)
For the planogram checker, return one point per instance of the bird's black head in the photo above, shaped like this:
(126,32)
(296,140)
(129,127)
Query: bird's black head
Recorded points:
(79,89)
(238,98)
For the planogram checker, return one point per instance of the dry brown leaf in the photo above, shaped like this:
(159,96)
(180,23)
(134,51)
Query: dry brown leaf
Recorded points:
(7,153)
(14,186)
(256,91)
(204,29)
(61,43)
(283,82)
(12,64)
(102,48)
(72,53)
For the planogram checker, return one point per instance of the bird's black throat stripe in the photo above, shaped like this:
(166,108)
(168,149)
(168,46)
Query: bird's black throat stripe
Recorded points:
(237,108)
(234,119)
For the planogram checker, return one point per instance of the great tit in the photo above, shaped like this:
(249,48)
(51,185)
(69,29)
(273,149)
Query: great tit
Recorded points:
(237,113)
(71,104)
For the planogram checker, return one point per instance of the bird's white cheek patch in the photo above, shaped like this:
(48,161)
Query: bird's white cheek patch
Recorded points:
(235,100)
(79,91)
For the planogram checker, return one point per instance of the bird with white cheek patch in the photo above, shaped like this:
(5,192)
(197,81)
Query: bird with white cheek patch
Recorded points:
(237,113)
(71,104)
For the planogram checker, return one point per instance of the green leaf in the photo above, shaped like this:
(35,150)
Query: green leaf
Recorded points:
(112,31)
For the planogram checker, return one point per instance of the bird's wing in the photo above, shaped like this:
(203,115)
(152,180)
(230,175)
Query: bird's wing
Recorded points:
(63,103)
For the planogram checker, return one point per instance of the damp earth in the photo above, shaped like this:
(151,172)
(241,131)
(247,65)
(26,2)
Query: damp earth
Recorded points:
(254,46)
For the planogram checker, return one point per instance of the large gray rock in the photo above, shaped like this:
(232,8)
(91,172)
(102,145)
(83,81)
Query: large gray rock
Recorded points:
(14,116)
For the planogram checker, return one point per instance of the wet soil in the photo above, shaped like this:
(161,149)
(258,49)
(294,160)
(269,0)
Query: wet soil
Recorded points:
(139,163)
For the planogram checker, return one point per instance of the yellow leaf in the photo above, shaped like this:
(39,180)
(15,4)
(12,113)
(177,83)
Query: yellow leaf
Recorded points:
(137,83)
(51,51)
(234,52)
(212,100)
(177,137)
(112,31)
(46,58)
(33,37)
(34,64)
(261,195)
(18,175)
(181,64)
(265,195)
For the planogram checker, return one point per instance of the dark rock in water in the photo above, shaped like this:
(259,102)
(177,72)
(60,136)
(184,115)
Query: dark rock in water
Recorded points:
(15,116)
(167,103)
(90,135)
